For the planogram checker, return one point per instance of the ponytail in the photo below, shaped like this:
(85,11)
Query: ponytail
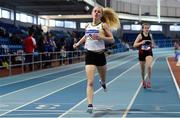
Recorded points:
(111,18)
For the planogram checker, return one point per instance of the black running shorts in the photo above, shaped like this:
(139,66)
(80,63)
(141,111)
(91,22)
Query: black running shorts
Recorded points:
(144,53)
(95,58)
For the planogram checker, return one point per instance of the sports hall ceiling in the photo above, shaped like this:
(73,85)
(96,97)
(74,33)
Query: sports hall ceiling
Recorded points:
(53,8)
(49,7)
(167,3)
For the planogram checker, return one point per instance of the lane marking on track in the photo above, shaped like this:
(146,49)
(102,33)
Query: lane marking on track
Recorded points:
(138,90)
(49,73)
(135,95)
(62,115)
(58,89)
(174,79)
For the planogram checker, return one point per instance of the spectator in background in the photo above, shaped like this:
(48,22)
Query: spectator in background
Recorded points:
(63,55)
(74,36)
(5,48)
(15,38)
(177,52)
(5,63)
(2,31)
(52,44)
(29,47)
(70,49)
(0,62)
(75,40)
(176,46)
(41,47)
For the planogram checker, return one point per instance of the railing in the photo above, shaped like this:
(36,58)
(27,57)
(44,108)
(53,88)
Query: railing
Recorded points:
(17,64)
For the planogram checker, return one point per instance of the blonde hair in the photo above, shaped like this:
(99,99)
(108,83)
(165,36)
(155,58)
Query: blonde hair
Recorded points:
(111,18)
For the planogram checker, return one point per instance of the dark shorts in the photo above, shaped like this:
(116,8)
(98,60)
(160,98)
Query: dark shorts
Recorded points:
(95,58)
(144,53)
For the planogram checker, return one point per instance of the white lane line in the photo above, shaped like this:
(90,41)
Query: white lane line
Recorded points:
(58,89)
(41,97)
(153,112)
(134,96)
(62,115)
(174,79)
(37,76)
(49,73)
(60,78)
(80,112)
(39,84)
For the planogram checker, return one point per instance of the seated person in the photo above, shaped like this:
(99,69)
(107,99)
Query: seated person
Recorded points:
(177,53)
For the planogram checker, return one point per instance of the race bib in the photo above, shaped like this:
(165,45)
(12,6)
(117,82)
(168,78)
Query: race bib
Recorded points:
(92,33)
(146,45)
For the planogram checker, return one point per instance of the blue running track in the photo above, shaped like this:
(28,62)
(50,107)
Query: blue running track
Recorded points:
(61,92)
